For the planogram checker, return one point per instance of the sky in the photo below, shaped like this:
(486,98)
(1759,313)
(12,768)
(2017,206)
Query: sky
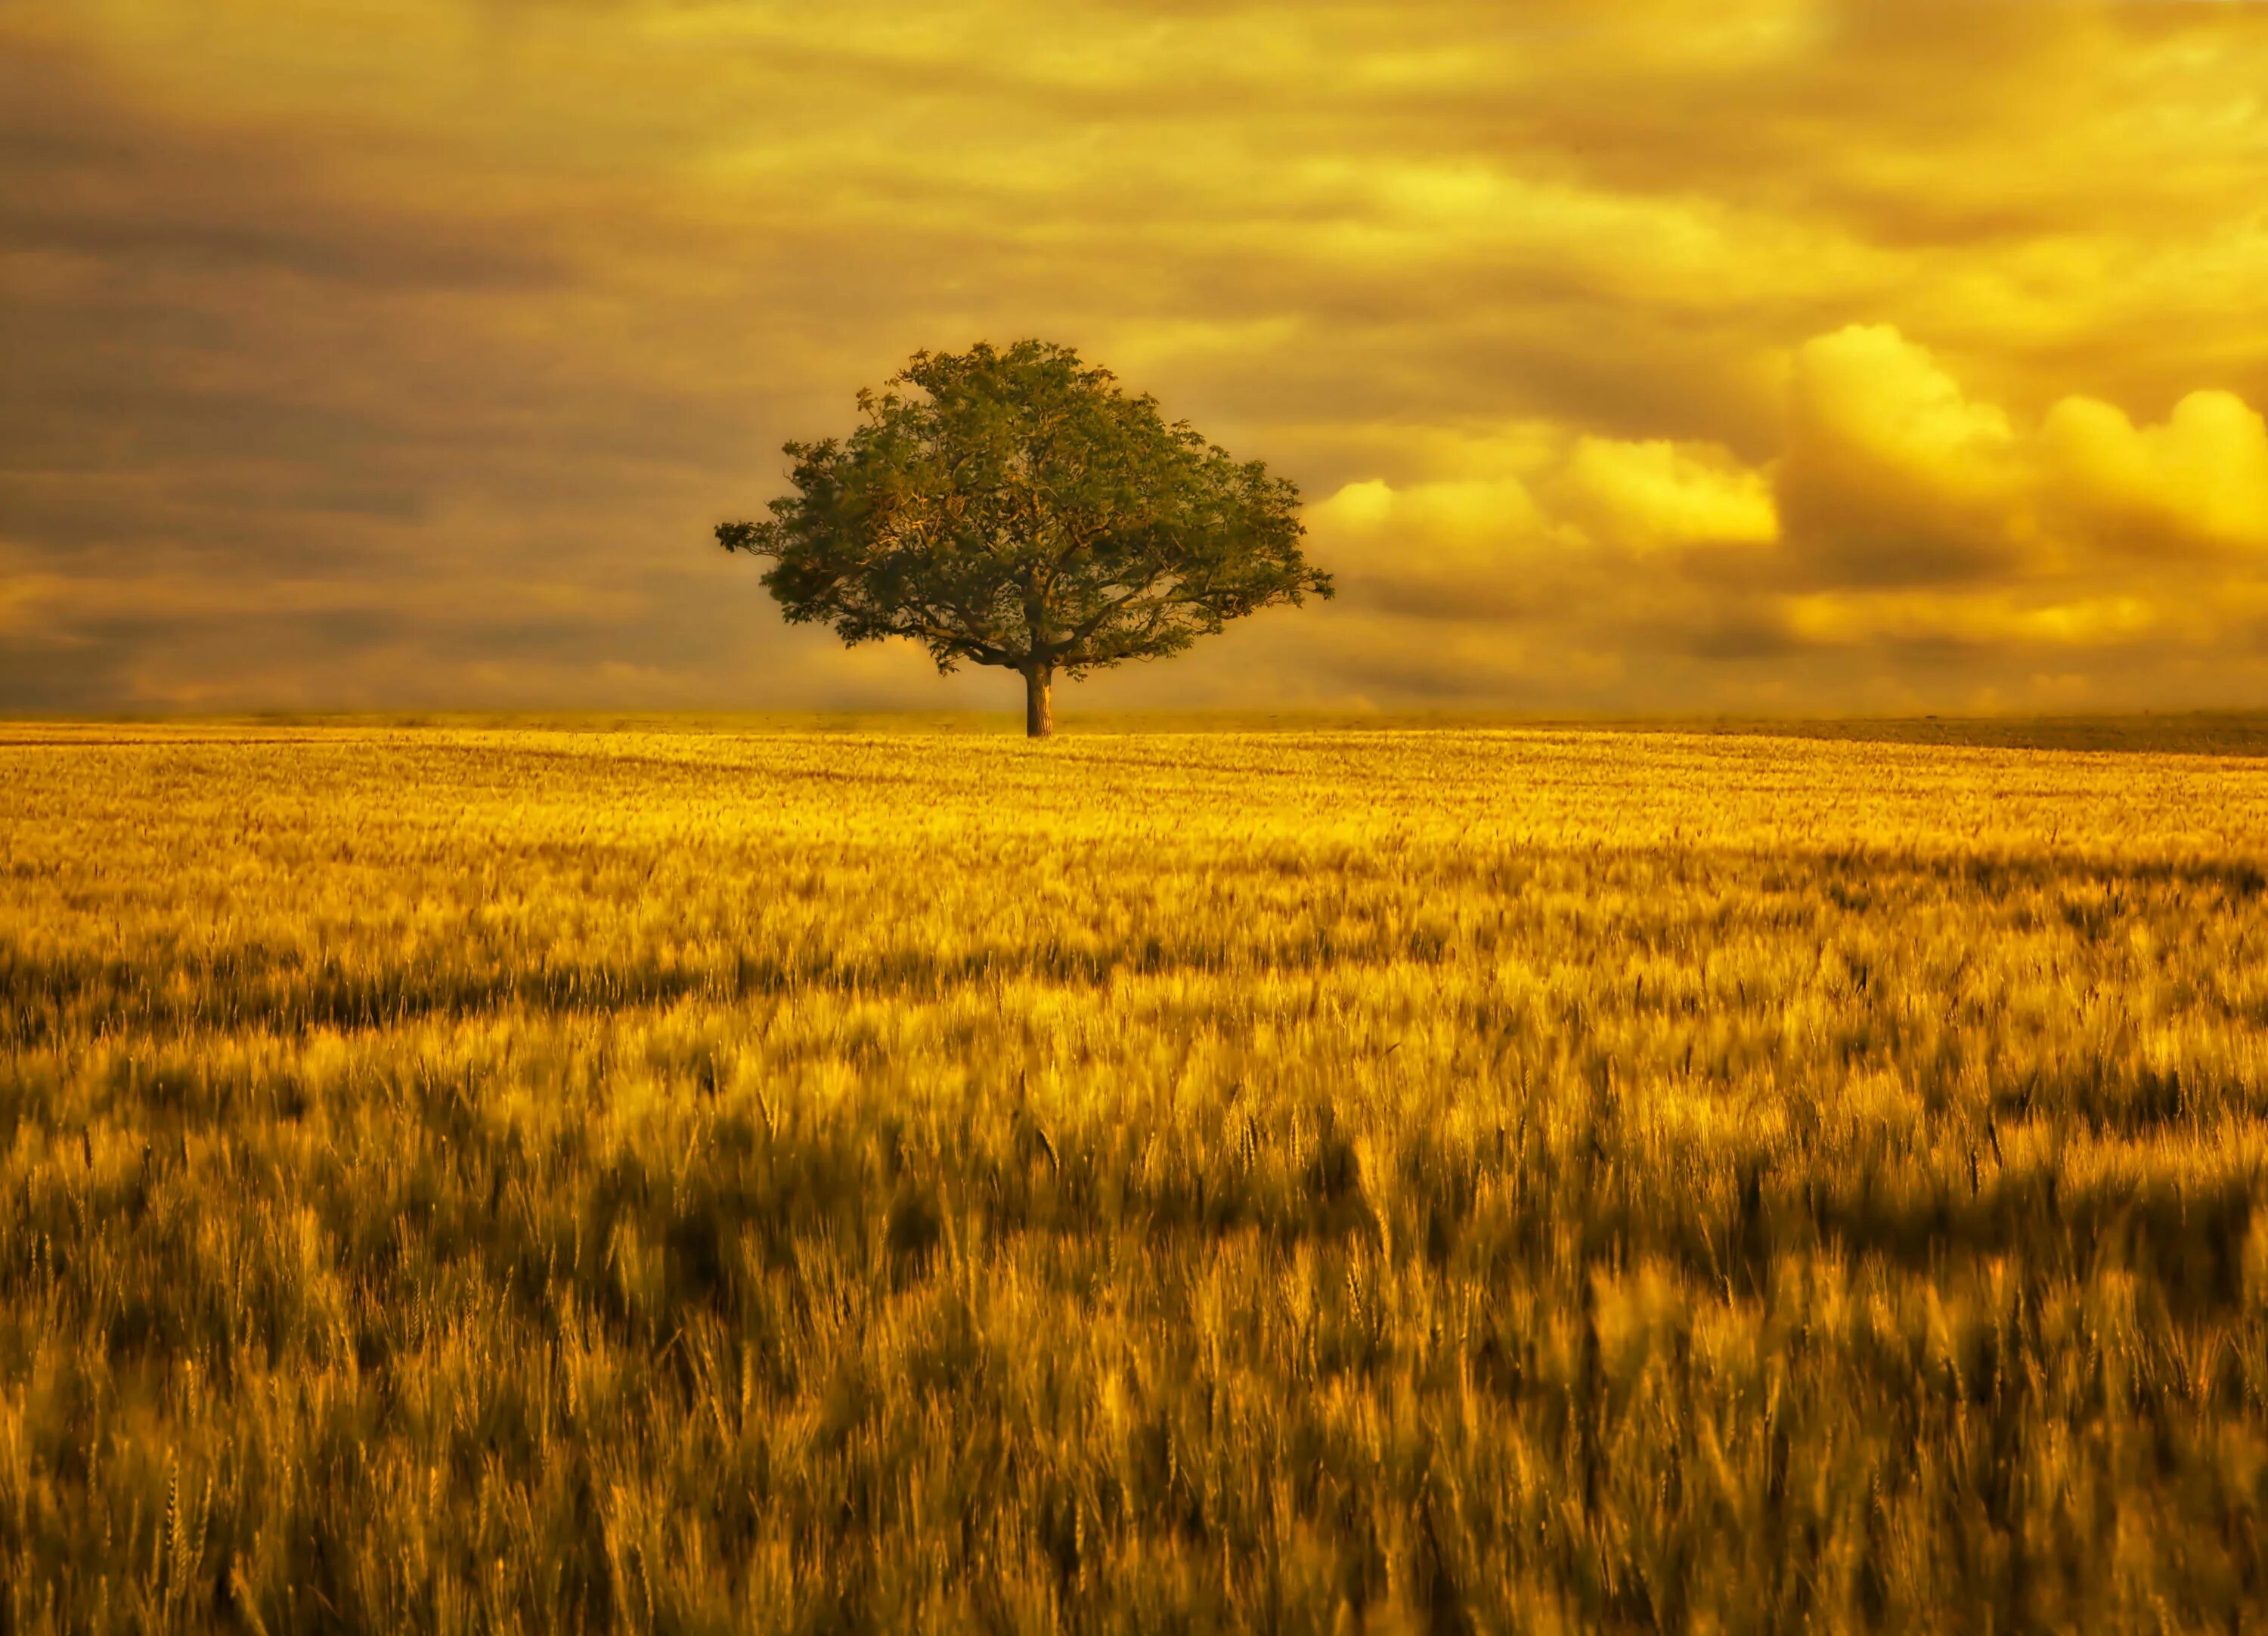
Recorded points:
(1669,357)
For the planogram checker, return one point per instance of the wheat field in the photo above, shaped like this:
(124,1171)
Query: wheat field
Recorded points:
(471,1178)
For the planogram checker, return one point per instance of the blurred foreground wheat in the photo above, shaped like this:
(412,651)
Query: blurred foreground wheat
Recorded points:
(466,1180)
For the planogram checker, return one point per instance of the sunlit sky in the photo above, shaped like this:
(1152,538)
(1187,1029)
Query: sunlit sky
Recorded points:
(1714,355)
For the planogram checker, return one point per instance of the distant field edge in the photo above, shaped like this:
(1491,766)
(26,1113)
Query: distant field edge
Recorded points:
(2207,732)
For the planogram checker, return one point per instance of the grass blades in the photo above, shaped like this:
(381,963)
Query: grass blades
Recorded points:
(463,1179)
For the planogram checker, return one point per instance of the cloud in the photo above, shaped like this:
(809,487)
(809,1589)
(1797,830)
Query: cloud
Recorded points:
(1994,620)
(1812,353)
(1906,526)
(1892,474)
(1532,505)
(1658,496)
(1462,549)
(2199,482)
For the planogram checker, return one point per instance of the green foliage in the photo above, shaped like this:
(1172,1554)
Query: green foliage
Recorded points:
(1015,508)
(466,1181)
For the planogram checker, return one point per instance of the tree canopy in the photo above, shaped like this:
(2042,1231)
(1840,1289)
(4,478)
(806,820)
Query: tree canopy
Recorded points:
(1014,507)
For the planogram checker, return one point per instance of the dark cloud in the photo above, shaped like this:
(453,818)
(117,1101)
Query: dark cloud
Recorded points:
(91,178)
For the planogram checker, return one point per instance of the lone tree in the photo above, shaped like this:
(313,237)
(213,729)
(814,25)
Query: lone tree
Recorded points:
(1015,508)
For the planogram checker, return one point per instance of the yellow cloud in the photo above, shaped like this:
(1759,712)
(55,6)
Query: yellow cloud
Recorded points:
(1905,516)
(1454,547)
(1891,472)
(1985,620)
(1533,502)
(1654,495)
(1867,396)
(1471,516)
(2201,479)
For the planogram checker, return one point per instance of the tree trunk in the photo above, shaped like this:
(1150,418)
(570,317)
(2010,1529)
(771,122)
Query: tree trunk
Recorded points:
(1039,708)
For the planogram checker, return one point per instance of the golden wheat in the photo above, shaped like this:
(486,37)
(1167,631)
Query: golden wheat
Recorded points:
(469,1179)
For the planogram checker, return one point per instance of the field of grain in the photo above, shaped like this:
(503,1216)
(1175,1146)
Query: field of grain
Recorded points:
(476,1180)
